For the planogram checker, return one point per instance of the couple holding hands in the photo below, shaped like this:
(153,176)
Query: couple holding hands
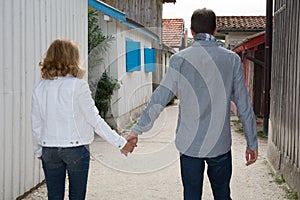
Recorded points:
(206,78)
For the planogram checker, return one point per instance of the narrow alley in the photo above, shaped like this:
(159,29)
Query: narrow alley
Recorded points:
(152,172)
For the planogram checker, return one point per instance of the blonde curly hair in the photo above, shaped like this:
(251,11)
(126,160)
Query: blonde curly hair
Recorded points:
(62,58)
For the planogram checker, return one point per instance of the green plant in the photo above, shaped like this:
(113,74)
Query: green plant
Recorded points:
(97,42)
(262,135)
(238,121)
(279,179)
(98,45)
(290,194)
(104,91)
(240,131)
(95,36)
(190,41)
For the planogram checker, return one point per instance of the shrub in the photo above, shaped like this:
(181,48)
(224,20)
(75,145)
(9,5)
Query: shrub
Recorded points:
(105,88)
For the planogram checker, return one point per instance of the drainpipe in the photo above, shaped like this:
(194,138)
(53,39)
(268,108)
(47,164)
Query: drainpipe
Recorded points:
(268,59)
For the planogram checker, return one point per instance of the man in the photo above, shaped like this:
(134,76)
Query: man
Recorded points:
(206,77)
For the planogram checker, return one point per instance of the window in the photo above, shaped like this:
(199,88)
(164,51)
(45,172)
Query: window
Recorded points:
(149,60)
(133,56)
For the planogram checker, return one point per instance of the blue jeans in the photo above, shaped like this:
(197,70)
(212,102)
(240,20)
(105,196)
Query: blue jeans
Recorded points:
(219,173)
(56,161)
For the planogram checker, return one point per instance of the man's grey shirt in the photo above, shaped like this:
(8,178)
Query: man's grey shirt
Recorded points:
(206,78)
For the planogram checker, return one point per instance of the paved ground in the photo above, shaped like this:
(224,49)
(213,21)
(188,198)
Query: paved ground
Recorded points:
(152,171)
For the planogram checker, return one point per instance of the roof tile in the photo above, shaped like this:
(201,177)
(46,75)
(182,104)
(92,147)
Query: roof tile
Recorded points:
(172,30)
(241,23)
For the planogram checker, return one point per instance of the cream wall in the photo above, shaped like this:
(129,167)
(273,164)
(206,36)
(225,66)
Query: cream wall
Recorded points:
(135,87)
(233,38)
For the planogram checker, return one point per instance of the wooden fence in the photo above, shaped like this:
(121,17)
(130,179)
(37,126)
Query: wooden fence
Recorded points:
(284,134)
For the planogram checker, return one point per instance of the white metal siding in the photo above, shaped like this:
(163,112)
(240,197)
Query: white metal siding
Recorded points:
(26,30)
(136,87)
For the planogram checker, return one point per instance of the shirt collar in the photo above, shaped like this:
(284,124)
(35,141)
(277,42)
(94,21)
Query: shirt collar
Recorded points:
(205,37)
(60,77)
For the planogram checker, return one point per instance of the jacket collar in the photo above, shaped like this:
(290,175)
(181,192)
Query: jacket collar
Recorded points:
(205,37)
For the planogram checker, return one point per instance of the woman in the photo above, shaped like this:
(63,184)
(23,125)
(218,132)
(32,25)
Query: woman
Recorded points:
(64,118)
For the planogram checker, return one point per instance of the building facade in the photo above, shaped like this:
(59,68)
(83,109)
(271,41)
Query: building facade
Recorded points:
(174,33)
(130,59)
(148,13)
(252,53)
(234,29)
(136,57)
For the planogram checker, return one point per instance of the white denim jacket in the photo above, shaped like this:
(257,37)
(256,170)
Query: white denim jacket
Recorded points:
(64,115)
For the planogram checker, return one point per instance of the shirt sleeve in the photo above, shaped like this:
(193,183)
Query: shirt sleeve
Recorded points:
(36,125)
(91,113)
(159,99)
(242,100)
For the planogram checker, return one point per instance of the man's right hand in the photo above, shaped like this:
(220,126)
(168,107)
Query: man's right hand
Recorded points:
(132,140)
(128,148)
(132,137)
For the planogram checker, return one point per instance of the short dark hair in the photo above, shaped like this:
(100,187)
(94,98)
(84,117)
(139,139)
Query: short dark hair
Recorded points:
(203,21)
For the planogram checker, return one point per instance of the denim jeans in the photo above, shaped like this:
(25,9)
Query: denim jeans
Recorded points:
(56,161)
(219,173)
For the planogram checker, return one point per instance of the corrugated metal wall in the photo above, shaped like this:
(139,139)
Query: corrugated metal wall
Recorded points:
(284,135)
(26,30)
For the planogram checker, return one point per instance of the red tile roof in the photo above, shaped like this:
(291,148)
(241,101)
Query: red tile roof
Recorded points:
(172,30)
(241,23)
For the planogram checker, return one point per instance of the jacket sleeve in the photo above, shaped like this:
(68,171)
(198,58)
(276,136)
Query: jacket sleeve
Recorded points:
(242,101)
(36,125)
(162,95)
(91,113)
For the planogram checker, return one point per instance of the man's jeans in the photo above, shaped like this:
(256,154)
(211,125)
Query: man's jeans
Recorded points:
(219,173)
(56,161)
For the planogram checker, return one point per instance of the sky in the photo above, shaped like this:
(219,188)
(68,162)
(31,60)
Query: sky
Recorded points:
(184,8)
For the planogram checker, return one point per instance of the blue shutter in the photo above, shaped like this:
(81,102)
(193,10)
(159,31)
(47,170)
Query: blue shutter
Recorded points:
(133,56)
(149,60)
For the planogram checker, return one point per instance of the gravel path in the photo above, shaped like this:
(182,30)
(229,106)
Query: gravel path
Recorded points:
(152,171)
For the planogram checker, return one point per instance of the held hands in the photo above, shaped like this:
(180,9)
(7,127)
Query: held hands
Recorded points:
(132,140)
(251,156)
(132,137)
(128,148)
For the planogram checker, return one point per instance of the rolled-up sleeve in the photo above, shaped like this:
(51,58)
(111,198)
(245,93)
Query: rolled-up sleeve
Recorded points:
(242,100)
(91,113)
